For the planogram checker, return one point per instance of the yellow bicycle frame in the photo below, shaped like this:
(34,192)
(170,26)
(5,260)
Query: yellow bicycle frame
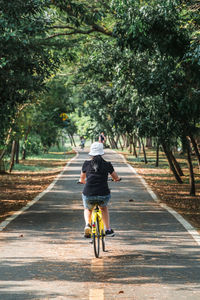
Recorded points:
(96,213)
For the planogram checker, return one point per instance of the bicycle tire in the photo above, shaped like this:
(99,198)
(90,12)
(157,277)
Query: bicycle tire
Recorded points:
(96,239)
(103,240)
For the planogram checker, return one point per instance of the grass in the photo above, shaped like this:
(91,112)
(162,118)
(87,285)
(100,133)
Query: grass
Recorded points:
(30,168)
(54,159)
(151,157)
(50,155)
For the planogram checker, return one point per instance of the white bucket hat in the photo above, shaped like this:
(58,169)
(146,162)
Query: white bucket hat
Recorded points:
(96,149)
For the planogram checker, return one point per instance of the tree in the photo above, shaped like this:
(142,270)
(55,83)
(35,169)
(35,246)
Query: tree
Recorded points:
(25,62)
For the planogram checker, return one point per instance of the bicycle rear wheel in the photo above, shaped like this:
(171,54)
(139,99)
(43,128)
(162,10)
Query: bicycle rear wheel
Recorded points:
(96,239)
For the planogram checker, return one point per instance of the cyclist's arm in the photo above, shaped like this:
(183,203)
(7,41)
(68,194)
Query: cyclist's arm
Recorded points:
(114,176)
(82,178)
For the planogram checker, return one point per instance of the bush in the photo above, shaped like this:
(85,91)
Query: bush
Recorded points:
(33,146)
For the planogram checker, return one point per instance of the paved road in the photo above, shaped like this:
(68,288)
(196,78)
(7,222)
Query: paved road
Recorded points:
(43,254)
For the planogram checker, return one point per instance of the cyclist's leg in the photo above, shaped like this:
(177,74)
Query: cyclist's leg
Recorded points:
(87,215)
(105,216)
(87,209)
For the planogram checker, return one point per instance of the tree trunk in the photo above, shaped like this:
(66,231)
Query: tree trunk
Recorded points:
(157,155)
(190,166)
(117,140)
(130,144)
(2,165)
(62,141)
(12,159)
(177,177)
(176,164)
(120,143)
(144,152)
(73,140)
(9,134)
(110,142)
(6,143)
(124,141)
(24,154)
(184,146)
(114,143)
(149,142)
(196,150)
(127,141)
(139,145)
(70,140)
(17,152)
(134,147)
(24,144)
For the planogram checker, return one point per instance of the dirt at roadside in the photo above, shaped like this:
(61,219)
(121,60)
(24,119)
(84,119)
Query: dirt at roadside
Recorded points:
(18,188)
(175,195)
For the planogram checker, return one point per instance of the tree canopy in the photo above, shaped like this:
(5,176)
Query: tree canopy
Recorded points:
(126,67)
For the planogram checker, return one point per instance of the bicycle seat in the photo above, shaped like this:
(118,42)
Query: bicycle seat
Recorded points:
(96,202)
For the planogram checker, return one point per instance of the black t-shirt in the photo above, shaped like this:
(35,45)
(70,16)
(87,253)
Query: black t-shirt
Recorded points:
(97,182)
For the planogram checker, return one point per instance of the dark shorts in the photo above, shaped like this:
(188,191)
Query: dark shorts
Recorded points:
(90,201)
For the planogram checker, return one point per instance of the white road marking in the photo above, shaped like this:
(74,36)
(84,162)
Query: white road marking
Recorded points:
(96,294)
(190,229)
(38,197)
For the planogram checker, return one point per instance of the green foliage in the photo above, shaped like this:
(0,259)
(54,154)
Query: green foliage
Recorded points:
(25,62)
(150,25)
(148,83)
(128,67)
(33,145)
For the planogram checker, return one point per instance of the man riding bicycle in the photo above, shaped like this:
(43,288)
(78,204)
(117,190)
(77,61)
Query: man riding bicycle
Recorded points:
(96,187)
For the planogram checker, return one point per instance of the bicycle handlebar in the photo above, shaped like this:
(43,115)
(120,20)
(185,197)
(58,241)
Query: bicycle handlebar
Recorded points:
(109,179)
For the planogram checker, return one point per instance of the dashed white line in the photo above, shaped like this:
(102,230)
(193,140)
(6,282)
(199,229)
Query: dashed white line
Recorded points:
(96,294)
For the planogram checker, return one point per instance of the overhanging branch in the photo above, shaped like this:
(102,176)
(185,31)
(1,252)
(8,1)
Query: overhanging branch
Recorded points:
(70,33)
(95,28)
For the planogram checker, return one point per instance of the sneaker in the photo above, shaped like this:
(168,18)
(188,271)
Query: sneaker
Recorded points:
(87,231)
(110,232)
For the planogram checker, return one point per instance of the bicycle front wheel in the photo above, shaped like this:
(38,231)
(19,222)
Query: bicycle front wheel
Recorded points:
(96,239)
(103,240)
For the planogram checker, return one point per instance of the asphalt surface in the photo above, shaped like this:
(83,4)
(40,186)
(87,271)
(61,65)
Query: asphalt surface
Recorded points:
(43,254)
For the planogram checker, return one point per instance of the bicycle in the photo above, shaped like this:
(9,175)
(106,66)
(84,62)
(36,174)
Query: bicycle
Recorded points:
(98,230)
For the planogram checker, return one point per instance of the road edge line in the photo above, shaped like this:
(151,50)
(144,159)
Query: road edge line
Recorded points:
(190,229)
(37,198)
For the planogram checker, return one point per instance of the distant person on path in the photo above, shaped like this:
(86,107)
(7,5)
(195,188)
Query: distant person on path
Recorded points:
(96,187)
(102,138)
(82,142)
